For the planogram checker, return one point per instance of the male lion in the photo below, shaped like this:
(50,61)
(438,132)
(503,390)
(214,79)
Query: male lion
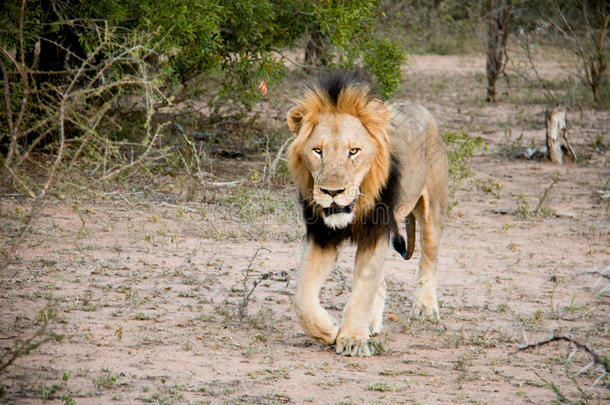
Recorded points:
(362,167)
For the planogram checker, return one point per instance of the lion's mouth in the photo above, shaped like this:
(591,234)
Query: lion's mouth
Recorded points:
(337,209)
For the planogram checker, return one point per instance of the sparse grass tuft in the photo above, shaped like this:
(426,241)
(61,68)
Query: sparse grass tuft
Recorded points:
(523,210)
(510,147)
(48,391)
(489,186)
(106,380)
(382,387)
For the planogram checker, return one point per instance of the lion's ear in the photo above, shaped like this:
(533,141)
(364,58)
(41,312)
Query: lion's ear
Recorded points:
(295,118)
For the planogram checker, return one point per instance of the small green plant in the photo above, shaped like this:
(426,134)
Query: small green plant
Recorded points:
(49,391)
(523,210)
(388,372)
(380,347)
(141,316)
(489,186)
(264,318)
(67,399)
(382,387)
(542,210)
(106,380)
(461,147)
(533,321)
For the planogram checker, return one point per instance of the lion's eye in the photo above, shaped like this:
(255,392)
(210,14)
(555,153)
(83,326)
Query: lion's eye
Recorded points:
(354,151)
(318,151)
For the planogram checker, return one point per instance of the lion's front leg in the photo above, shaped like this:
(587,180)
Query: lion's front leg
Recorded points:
(315,267)
(365,307)
(378,307)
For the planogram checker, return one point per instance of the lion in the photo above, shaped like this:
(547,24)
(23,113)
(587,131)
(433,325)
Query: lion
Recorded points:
(362,168)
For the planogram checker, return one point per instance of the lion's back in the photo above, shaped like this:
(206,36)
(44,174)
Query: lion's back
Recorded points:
(419,148)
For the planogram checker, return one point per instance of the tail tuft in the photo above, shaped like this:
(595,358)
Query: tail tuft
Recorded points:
(399,245)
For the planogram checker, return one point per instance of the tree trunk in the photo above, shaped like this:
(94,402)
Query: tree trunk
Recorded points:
(599,63)
(557,137)
(497,33)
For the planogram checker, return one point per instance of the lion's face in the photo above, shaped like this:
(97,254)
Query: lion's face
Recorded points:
(340,156)
(338,153)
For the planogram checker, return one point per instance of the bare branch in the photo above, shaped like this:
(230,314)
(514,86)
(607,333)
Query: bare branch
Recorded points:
(544,196)
(243,304)
(276,161)
(22,348)
(20,182)
(602,361)
(21,45)
(295,63)
(7,97)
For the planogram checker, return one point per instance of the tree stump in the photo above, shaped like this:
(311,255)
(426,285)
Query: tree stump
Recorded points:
(557,142)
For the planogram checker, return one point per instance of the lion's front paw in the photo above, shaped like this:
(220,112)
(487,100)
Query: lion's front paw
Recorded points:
(426,306)
(354,344)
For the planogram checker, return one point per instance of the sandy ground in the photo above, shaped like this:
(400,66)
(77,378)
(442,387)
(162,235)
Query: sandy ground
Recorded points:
(147,293)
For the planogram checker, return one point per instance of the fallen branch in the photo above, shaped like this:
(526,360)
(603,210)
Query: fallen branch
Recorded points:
(597,359)
(603,274)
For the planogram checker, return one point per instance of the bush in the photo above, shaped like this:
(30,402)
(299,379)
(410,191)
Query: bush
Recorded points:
(236,41)
(460,149)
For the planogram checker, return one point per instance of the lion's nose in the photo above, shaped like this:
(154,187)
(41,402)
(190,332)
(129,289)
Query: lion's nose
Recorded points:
(332,193)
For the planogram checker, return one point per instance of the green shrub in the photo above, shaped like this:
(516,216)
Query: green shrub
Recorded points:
(236,42)
(461,147)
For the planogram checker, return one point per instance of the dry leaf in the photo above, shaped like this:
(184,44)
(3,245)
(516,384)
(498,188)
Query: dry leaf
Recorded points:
(263,87)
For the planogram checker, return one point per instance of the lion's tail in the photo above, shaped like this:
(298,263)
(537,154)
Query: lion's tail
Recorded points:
(405,250)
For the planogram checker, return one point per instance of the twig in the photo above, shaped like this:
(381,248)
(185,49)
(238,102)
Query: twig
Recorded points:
(194,151)
(530,59)
(297,64)
(24,347)
(276,161)
(36,203)
(605,275)
(7,97)
(241,309)
(597,359)
(544,197)
(20,182)
(223,183)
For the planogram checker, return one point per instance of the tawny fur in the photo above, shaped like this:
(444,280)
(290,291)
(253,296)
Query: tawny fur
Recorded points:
(403,133)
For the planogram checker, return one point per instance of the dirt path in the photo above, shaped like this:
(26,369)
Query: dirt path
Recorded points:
(147,295)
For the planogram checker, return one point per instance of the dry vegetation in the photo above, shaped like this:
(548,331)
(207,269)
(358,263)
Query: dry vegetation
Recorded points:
(162,293)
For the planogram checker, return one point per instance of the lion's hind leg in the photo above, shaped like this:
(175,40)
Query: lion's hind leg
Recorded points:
(430,216)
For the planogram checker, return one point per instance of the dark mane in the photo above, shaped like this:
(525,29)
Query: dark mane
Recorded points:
(379,222)
(335,82)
